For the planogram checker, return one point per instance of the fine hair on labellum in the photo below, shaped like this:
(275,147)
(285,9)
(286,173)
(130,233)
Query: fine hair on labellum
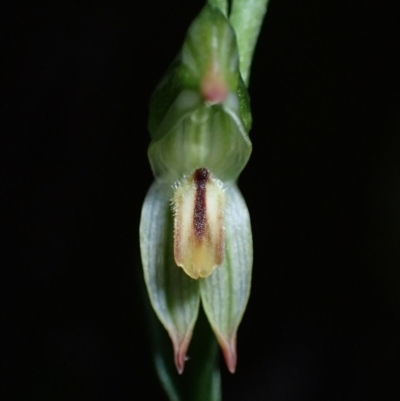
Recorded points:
(199,202)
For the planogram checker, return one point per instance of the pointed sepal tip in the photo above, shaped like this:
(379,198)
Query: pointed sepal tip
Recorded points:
(180,350)
(228,348)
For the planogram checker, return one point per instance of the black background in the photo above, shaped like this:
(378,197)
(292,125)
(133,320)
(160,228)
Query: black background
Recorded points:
(322,187)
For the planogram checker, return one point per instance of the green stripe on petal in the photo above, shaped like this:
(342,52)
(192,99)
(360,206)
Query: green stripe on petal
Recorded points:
(173,295)
(225,293)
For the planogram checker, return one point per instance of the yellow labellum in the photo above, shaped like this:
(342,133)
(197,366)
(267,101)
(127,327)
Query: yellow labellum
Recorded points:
(199,224)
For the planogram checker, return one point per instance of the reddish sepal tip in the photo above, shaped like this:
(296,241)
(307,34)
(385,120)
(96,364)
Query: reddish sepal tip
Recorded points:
(180,349)
(228,347)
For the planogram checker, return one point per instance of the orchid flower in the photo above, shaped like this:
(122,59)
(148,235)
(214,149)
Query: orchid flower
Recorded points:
(195,233)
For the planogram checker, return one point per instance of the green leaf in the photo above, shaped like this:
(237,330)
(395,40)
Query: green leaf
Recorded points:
(225,293)
(246,18)
(173,295)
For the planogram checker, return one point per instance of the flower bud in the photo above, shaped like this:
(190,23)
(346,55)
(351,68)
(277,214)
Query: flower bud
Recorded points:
(200,112)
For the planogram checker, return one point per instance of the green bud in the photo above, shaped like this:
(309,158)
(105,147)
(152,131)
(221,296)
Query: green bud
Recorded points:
(200,113)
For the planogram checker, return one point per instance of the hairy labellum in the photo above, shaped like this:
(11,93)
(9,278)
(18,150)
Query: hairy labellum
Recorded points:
(199,224)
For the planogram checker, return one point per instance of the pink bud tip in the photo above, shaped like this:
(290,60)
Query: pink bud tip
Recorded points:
(213,87)
(214,92)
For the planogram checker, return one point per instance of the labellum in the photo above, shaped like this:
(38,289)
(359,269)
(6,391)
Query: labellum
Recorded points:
(199,224)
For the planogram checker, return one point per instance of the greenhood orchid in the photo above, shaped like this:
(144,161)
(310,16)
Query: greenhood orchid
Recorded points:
(195,232)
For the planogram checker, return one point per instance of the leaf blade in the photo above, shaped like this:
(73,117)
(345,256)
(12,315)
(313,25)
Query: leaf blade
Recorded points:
(246,18)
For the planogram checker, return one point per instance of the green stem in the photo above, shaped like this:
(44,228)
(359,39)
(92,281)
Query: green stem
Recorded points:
(246,18)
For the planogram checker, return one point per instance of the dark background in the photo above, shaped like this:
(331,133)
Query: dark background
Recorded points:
(322,187)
